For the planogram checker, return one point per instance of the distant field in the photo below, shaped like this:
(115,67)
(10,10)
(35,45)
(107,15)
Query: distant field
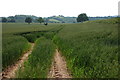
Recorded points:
(23,27)
(90,48)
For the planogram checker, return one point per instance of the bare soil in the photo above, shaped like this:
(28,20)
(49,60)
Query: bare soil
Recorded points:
(11,70)
(59,68)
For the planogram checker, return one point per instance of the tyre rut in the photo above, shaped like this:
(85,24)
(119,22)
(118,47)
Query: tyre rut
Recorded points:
(11,70)
(59,68)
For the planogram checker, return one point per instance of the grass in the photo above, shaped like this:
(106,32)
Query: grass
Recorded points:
(39,61)
(91,50)
(15,42)
(13,48)
(12,28)
(106,21)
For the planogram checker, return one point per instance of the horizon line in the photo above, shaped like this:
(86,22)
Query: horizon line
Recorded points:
(56,15)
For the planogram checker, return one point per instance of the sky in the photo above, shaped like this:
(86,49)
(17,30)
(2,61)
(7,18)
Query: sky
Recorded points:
(46,8)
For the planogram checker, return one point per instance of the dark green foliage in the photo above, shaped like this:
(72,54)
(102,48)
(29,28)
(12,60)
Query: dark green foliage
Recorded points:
(4,19)
(28,20)
(30,37)
(12,48)
(40,20)
(39,61)
(11,19)
(82,17)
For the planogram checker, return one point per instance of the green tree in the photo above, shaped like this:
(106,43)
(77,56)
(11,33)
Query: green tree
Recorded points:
(11,19)
(82,17)
(40,20)
(4,19)
(28,20)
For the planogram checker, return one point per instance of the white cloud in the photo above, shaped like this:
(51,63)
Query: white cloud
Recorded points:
(59,7)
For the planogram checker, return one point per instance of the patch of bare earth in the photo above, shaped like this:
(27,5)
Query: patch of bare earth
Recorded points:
(59,68)
(10,71)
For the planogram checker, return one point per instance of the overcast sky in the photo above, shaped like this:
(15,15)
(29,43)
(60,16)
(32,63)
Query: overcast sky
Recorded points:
(45,8)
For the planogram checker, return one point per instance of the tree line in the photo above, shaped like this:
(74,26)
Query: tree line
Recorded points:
(8,19)
(27,20)
(81,18)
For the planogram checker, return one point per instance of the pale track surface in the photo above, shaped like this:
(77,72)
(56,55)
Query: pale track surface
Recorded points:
(11,70)
(59,68)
